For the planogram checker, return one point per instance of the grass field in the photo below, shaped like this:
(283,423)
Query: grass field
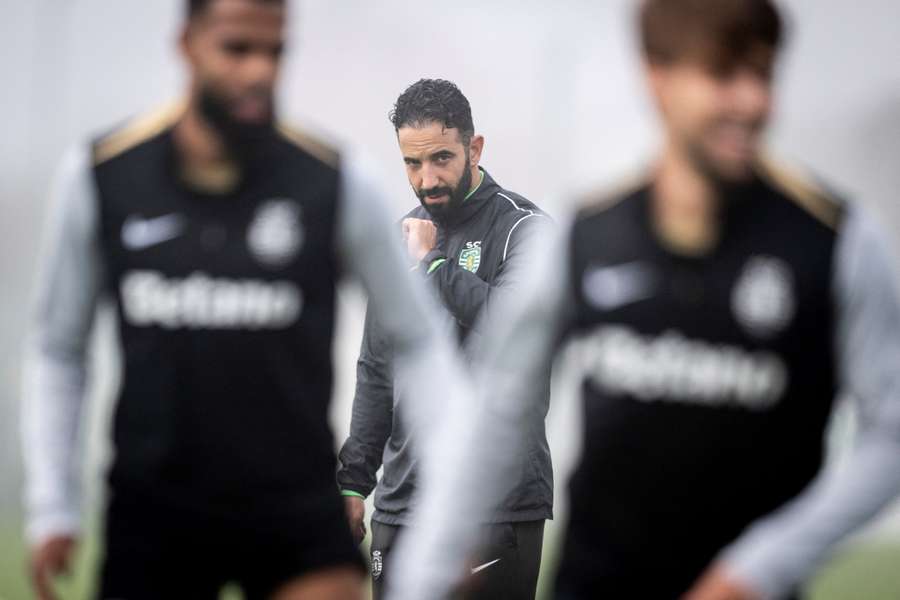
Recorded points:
(867,571)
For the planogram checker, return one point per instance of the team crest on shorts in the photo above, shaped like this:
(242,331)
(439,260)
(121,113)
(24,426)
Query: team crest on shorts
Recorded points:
(376,564)
(763,299)
(276,234)
(470,257)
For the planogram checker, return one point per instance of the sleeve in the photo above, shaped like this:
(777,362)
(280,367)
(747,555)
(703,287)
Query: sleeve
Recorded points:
(465,295)
(55,355)
(779,551)
(461,483)
(372,418)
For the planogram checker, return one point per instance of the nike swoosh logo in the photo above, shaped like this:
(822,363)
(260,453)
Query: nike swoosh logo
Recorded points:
(611,287)
(485,566)
(139,233)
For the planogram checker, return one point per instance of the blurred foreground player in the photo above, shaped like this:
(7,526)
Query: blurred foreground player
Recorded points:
(220,238)
(720,306)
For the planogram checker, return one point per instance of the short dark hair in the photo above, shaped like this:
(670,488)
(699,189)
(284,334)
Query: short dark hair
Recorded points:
(195,7)
(434,101)
(720,33)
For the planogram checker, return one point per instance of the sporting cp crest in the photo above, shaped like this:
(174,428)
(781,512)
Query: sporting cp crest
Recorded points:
(763,300)
(376,564)
(276,234)
(470,257)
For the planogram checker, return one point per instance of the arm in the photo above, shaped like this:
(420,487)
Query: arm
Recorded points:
(781,550)
(465,294)
(373,408)
(422,355)
(461,483)
(55,371)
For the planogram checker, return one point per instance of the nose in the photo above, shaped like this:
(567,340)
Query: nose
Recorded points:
(430,177)
(751,94)
(261,69)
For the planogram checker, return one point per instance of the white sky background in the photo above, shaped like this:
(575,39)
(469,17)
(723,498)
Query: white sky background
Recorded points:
(554,86)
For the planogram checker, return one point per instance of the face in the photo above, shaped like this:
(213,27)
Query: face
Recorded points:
(439,166)
(716,117)
(234,50)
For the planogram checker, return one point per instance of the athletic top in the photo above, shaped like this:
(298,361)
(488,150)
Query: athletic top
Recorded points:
(707,384)
(225,306)
(479,258)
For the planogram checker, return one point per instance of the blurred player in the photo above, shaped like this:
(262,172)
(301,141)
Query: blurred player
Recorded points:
(719,307)
(467,240)
(219,238)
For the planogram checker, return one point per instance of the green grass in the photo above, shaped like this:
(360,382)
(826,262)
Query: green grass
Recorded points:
(869,571)
(865,572)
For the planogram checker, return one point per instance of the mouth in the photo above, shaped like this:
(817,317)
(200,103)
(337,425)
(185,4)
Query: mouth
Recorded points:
(253,109)
(736,140)
(435,196)
(441,199)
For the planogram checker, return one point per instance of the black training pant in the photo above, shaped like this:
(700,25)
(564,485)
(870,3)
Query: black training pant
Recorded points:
(507,563)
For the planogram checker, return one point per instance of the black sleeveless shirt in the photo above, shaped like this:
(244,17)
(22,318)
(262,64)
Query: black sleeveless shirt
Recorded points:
(708,384)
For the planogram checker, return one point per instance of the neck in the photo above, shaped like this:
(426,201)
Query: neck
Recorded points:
(202,156)
(476,179)
(684,205)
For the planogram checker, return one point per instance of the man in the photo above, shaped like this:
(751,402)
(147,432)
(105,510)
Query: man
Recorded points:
(467,239)
(220,239)
(720,307)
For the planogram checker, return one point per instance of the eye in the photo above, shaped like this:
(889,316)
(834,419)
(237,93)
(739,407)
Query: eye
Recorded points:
(721,71)
(442,159)
(236,48)
(764,72)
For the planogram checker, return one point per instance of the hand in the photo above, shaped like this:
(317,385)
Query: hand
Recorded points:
(718,584)
(50,558)
(356,514)
(420,237)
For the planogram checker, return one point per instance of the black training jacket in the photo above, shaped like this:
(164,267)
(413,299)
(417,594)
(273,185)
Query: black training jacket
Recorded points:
(479,257)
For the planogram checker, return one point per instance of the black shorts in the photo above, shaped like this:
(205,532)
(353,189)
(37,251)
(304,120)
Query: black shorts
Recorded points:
(155,549)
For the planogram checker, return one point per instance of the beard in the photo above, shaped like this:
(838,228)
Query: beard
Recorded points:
(722,172)
(247,143)
(445,213)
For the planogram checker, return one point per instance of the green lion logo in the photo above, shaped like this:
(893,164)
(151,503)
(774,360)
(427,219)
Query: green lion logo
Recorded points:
(470,257)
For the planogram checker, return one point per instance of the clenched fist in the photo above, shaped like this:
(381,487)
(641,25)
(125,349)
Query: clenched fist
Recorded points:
(420,237)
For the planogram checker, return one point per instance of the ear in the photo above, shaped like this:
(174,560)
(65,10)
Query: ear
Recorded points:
(476,145)
(186,40)
(655,75)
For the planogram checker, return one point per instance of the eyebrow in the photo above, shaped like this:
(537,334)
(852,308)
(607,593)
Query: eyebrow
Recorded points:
(432,156)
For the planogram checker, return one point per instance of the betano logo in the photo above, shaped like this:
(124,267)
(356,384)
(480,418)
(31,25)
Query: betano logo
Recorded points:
(200,301)
(672,368)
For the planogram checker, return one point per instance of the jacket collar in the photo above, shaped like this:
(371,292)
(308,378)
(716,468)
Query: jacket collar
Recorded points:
(477,200)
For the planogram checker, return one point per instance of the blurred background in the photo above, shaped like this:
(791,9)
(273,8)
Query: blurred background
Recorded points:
(556,91)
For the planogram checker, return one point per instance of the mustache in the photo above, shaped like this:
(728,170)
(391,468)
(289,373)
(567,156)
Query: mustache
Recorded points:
(434,192)
(753,124)
(263,93)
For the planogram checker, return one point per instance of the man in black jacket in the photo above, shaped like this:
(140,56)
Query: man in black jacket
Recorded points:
(468,240)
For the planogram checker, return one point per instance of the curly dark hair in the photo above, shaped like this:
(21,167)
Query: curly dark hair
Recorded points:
(195,7)
(434,101)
